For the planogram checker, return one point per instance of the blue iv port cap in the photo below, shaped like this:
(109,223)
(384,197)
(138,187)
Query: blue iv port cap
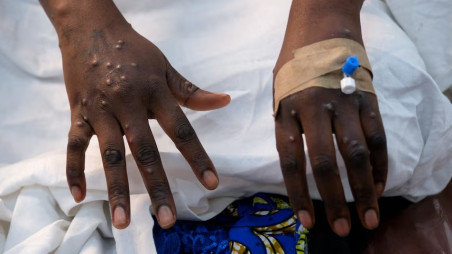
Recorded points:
(350,65)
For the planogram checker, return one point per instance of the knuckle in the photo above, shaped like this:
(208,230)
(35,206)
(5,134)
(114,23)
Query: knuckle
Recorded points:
(335,207)
(73,171)
(323,166)
(118,192)
(200,158)
(160,191)
(147,155)
(377,140)
(363,195)
(172,75)
(289,166)
(184,132)
(112,157)
(77,144)
(357,155)
(188,87)
(299,201)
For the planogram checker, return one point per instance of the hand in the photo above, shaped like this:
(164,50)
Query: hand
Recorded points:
(116,80)
(318,113)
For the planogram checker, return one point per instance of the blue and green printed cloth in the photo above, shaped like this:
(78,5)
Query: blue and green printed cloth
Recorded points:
(263,223)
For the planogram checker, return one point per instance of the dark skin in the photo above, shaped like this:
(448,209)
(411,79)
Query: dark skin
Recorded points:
(318,113)
(422,227)
(116,80)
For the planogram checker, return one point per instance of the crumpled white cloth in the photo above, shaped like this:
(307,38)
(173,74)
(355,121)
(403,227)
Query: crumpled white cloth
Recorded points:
(229,46)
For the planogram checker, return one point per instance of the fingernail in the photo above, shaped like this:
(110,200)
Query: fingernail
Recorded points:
(119,217)
(379,188)
(371,219)
(341,227)
(165,216)
(305,218)
(76,193)
(210,179)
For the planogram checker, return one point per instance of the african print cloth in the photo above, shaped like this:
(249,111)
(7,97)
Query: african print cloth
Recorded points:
(263,223)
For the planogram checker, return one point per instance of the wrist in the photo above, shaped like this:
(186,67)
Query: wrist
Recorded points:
(75,19)
(311,21)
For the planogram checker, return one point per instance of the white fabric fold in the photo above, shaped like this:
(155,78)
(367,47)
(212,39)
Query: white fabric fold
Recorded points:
(220,46)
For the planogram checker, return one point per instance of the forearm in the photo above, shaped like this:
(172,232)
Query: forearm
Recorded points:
(312,21)
(73,19)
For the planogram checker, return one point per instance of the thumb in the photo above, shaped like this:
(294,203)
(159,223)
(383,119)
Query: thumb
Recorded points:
(191,96)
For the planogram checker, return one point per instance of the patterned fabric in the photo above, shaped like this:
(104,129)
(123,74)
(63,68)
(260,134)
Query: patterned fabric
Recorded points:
(263,223)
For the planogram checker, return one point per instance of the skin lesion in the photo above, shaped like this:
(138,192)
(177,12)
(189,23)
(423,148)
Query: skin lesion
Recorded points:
(112,157)
(184,133)
(147,155)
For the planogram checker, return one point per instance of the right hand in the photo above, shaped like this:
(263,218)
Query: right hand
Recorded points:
(116,80)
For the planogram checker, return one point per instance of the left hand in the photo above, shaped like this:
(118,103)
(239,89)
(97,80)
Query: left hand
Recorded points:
(319,113)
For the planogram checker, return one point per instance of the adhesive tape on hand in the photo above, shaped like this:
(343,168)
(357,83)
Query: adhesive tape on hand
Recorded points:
(319,65)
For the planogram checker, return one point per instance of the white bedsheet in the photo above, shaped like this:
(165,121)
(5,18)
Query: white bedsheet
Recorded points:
(228,46)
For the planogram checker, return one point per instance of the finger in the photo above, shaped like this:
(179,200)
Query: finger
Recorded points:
(146,155)
(374,133)
(190,96)
(353,148)
(78,140)
(289,143)
(316,124)
(112,150)
(178,128)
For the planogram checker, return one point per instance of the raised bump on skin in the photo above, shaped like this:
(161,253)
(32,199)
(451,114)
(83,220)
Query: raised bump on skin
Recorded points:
(372,115)
(328,106)
(108,64)
(85,118)
(108,81)
(190,86)
(79,123)
(118,46)
(354,143)
(103,102)
(118,66)
(123,77)
(133,64)
(293,112)
(345,140)
(84,101)
(94,63)
(121,42)
(149,170)
(291,138)
(113,156)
